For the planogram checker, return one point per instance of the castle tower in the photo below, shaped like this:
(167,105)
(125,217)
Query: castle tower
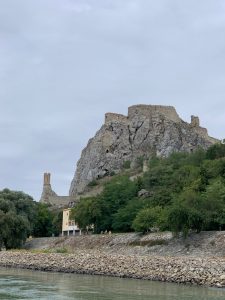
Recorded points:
(47,179)
(47,191)
(195,121)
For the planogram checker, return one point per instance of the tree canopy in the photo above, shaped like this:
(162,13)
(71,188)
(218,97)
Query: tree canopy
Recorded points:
(186,192)
(21,216)
(17,212)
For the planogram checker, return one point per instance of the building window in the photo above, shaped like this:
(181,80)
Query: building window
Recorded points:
(71,223)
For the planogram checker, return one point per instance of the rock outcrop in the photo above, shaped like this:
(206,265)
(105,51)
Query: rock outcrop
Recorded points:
(147,130)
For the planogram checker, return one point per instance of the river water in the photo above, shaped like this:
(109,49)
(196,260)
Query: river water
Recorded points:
(25,284)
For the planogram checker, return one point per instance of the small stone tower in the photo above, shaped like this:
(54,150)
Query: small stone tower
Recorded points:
(47,189)
(195,121)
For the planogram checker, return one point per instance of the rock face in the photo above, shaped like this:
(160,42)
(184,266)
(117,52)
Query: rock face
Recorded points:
(147,130)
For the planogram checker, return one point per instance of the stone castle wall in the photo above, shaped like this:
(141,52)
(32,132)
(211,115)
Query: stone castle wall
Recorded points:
(148,110)
(144,110)
(61,201)
(111,117)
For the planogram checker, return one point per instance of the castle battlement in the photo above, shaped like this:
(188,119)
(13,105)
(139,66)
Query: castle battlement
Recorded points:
(148,110)
(144,110)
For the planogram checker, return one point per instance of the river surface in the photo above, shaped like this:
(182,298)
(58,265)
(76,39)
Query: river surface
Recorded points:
(25,284)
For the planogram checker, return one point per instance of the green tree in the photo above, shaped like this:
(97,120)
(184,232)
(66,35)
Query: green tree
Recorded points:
(87,213)
(17,211)
(216,151)
(116,194)
(15,230)
(185,213)
(213,204)
(179,219)
(57,222)
(100,211)
(43,224)
(124,217)
(147,218)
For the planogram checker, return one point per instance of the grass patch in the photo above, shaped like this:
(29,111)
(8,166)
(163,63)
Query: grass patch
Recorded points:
(52,250)
(36,251)
(61,250)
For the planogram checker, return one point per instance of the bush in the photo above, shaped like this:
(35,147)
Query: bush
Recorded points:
(216,151)
(93,183)
(126,164)
(147,218)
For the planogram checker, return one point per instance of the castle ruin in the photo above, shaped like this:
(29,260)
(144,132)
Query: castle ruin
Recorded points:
(146,130)
(48,196)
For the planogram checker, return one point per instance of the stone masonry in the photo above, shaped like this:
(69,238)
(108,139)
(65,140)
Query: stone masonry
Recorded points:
(48,196)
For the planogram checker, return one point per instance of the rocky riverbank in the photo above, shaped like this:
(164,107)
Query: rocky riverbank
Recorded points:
(210,244)
(208,271)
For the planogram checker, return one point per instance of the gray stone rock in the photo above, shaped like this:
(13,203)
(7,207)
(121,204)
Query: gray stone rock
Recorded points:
(147,130)
(143,193)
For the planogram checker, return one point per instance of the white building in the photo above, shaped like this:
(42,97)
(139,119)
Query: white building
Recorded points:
(69,227)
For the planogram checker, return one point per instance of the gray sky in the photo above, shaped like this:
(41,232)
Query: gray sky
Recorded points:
(64,63)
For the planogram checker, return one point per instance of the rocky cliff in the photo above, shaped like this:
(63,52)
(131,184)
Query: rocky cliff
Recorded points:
(147,130)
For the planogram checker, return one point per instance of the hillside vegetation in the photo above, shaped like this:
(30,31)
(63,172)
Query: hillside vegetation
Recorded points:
(186,191)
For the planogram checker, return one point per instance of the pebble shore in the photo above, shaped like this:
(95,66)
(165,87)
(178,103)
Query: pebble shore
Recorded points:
(208,271)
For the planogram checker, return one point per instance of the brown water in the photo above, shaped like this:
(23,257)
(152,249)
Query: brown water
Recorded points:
(25,284)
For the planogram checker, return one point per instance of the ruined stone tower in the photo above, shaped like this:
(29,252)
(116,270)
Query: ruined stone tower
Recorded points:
(47,191)
(49,197)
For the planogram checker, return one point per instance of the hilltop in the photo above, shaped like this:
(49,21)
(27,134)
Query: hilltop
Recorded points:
(146,131)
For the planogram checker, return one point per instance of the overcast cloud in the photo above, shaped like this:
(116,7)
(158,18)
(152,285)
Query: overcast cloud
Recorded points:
(64,63)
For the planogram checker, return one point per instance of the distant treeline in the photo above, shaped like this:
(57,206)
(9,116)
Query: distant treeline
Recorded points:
(20,217)
(184,192)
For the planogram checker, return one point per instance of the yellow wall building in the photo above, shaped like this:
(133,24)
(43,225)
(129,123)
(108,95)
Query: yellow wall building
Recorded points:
(69,227)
